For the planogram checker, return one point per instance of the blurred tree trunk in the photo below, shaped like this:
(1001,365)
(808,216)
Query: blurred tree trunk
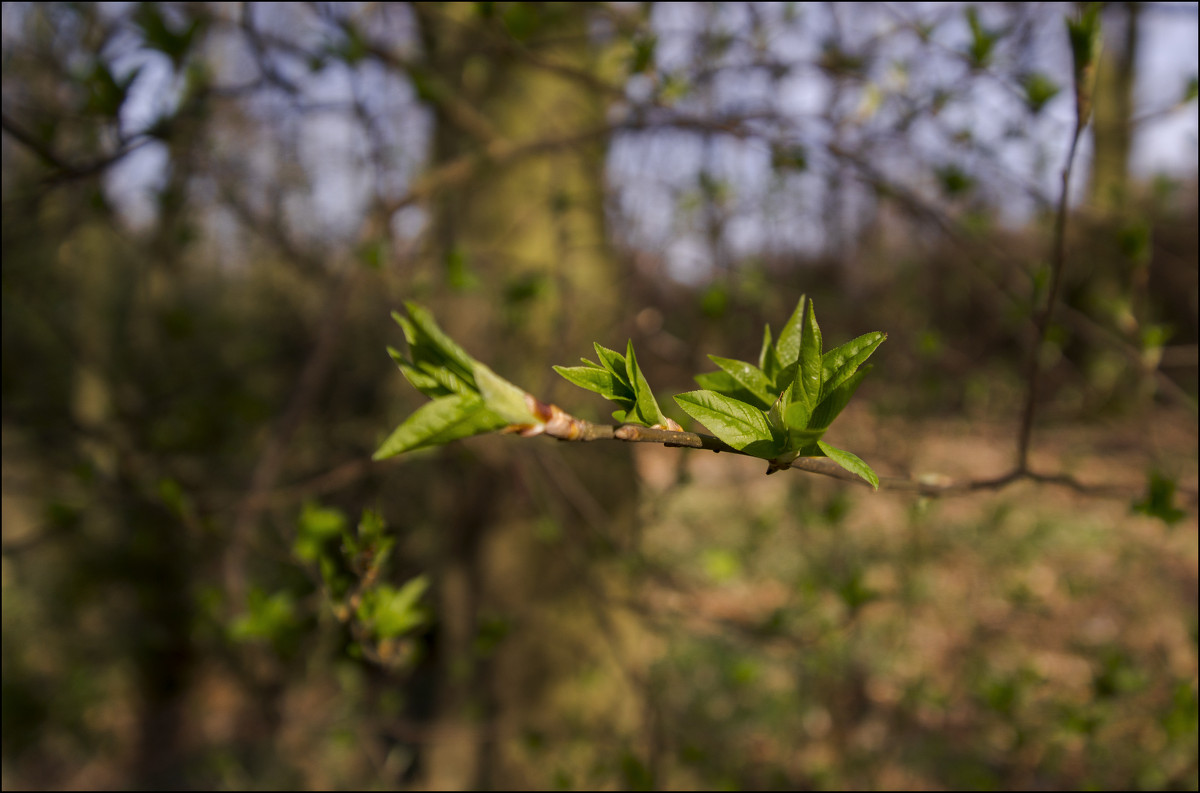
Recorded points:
(523,247)
(1112,124)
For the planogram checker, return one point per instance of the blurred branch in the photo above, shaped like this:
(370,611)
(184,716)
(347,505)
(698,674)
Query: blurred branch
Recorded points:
(66,170)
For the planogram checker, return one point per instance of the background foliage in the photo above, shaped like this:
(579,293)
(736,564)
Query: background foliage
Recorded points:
(210,211)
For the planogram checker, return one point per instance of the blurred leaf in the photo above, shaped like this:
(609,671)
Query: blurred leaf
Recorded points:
(644,46)
(736,423)
(459,275)
(315,527)
(714,302)
(266,618)
(954,180)
(1039,90)
(520,20)
(158,36)
(721,565)
(1134,240)
(983,41)
(850,462)
(523,288)
(1086,43)
(1159,501)
(394,612)
(105,94)
(789,158)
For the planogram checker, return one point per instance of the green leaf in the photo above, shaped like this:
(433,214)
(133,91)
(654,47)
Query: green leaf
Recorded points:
(503,398)
(443,420)
(434,345)
(598,380)
(840,363)
(768,359)
(723,383)
(447,380)
(850,462)
(836,401)
(742,426)
(806,386)
(787,348)
(645,406)
(614,362)
(749,377)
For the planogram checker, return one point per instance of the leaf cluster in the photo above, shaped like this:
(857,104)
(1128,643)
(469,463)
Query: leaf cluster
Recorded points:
(467,398)
(777,409)
(618,377)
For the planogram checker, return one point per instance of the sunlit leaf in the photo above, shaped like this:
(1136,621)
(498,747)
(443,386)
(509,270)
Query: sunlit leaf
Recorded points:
(806,388)
(614,362)
(836,400)
(734,422)
(645,405)
(432,338)
(840,363)
(442,420)
(787,348)
(750,377)
(595,379)
(503,398)
(850,462)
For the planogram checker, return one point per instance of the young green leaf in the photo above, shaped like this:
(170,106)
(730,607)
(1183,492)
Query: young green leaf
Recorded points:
(645,406)
(850,462)
(836,401)
(614,362)
(443,350)
(749,377)
(787,348)
(737,423)
(424,383)
(503,398)
(443,420)
(723,383)
(448,380)
(768,360)
(806,386)
(838,364)
(598,380)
